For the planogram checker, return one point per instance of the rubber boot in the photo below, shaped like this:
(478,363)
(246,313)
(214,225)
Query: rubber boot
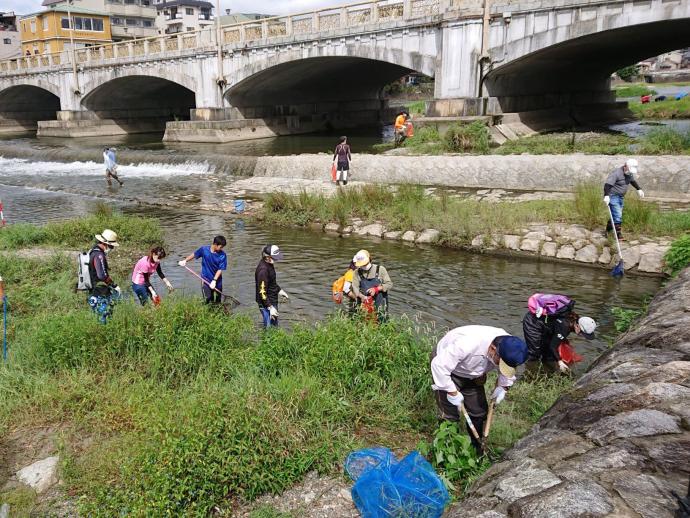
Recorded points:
(619,233)
(609,228)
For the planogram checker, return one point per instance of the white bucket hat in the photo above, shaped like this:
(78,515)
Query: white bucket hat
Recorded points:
(108,237)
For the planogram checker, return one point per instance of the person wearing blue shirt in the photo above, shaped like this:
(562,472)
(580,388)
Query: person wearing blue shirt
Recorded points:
(213,263)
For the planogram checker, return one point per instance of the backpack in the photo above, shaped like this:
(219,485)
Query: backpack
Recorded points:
(550,304)
(83,274)
(337,289)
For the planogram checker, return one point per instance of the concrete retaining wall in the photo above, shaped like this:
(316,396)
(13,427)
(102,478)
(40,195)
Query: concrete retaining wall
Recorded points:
(663,176)
(618,444)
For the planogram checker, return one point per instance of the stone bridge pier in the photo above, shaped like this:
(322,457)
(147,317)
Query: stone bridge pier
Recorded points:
(528,64)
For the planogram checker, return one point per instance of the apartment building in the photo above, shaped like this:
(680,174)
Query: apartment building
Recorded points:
(10,46)
(50,30)
(183,15)
(129,19)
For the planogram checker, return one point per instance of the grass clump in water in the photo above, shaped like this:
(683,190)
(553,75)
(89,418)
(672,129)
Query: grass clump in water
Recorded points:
(665,141)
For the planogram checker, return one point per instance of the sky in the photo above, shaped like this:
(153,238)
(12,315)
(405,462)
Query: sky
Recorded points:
(237,6)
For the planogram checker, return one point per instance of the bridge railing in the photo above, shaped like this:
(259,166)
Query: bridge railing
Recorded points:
(241,34)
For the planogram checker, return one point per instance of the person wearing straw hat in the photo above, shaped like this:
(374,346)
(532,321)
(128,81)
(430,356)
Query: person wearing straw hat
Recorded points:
(615,188)
(460,363)
(371,284)
(104,292)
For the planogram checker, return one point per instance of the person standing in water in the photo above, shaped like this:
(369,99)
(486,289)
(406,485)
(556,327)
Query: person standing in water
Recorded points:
(110,166)
(342,157)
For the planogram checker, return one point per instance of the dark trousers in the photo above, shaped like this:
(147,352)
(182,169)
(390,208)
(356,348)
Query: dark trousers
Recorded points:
(211,296)
(476,404)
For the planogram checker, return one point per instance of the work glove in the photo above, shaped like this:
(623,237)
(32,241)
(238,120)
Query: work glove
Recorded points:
(183,262)
(498,395)
(456,400)
(607,199)
(374,291)
(282,293)
(212,284)
(273,312)
(563,367)
(168,284)
(640,193)
(117,290)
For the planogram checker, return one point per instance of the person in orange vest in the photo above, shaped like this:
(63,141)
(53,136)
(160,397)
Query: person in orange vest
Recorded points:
(401,127)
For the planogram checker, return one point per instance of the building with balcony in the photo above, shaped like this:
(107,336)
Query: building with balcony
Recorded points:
(176,16)
(51,31)
(129,19)
(10,46)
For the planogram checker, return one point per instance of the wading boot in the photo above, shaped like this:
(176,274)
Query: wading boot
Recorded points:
(609,228)
(619,233)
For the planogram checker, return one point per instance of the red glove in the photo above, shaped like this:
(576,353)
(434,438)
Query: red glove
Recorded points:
(375,290)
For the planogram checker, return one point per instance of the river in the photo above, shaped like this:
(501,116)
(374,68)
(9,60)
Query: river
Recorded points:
(434,286)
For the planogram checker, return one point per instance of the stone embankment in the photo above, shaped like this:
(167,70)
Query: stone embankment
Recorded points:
(551,242)
(618,444)
(660,176)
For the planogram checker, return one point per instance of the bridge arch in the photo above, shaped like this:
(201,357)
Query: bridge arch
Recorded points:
(571,62)
(22,105)
(136,97)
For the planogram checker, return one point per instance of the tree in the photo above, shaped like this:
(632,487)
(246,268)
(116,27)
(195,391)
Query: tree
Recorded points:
(627,73)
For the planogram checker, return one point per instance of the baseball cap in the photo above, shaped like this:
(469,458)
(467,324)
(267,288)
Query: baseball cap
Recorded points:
(361,258)
(273,252)
(512,352)
(587,327)
(632,165)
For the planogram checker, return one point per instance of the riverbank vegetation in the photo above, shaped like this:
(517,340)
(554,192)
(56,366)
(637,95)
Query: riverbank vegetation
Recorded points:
(459,220)
(183,410)
(668,109)
(633,90)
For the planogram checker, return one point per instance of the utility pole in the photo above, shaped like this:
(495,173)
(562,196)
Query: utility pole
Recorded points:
(75,77)
(219,44)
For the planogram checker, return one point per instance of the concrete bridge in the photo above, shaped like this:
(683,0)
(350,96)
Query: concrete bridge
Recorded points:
(541,62)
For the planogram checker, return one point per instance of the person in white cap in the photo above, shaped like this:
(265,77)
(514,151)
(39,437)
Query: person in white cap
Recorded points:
(104,291)
(545,333)
(459,365)
(267,288)
(615,187)
(371,284)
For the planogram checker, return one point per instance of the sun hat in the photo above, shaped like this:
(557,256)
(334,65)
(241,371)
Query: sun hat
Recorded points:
(273,252)
(632,165)
(512,352)
(361,258)
(108,237)
(587,327)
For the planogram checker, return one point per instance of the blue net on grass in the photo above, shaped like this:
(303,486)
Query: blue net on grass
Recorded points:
(386,487)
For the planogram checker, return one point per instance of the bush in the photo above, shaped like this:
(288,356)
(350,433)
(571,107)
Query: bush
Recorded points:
(678,256)
(624,318)
(628,73)
(633,91)
(473,137)
(589,203)
(665,141)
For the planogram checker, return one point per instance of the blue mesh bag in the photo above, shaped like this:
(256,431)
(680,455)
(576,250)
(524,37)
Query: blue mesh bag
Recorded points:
(385,487)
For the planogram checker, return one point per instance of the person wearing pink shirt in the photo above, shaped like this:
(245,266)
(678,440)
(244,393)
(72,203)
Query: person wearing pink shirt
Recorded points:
(141,276)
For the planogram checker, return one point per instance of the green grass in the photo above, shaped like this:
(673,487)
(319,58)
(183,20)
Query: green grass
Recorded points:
(416,107)
(665,141)
(668,109)
(678,256)
(79,233)
(178,409)
(564,143)
(460,220)
(633,90)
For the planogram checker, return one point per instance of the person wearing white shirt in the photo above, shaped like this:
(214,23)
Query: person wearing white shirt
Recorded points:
(459,365)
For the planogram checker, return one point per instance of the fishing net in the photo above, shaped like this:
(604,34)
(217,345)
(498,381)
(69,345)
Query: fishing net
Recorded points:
(386,487)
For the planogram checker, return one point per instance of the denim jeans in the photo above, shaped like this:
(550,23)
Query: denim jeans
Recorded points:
(142,292)
(266,318)
(616,206)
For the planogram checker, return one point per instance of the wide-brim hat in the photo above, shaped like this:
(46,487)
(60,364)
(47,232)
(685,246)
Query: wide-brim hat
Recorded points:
(108,237)
(361,258)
